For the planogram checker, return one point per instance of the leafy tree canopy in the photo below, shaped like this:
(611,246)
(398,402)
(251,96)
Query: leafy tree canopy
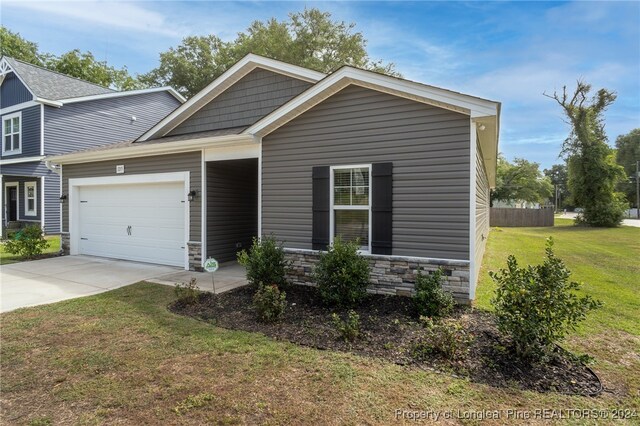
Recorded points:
(74,63)
(627,153)
(310,39)
(521,181)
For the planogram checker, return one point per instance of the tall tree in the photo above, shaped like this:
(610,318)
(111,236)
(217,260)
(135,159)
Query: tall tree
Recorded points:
(627,153)
(593,172)
(310,39)
(520,181)
(558,175)
(13,45)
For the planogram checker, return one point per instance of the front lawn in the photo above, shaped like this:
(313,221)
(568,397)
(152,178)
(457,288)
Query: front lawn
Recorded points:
(7,258)
(123,357)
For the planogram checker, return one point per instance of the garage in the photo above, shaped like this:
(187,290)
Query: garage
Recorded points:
(140,221)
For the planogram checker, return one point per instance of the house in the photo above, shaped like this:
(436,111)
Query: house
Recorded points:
(47,113)
(272,148)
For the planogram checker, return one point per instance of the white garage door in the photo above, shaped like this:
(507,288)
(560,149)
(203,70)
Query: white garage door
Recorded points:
(142,222)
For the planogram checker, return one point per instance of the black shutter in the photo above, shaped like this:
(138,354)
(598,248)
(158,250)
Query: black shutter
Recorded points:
(320,232)
(381,208)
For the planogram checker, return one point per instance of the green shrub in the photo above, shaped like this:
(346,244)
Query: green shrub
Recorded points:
(270,302)
(430,299)
(265,262)
(28,242)
(187,293)
(446,338)
(536,306)
(348,328)
(342,274)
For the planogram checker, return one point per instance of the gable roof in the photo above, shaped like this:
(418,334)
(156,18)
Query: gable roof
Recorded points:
(56,89)
(51,85)
(222,83)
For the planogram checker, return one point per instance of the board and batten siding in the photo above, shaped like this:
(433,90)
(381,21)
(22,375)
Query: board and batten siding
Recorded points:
(30,133)
(428,146)
(252,97)
(13,92)
(232,207)
(483,195)
(190,161)
(100,122)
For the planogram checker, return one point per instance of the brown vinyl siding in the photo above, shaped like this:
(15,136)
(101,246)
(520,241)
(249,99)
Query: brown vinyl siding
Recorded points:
(482,210)
(428,146)
(190,161)
(248,100)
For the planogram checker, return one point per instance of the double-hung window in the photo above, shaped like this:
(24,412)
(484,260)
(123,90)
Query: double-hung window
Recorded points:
(30,197)
(11,134)
(351,204)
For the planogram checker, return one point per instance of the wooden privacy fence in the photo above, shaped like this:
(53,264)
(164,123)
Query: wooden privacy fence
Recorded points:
(507,217)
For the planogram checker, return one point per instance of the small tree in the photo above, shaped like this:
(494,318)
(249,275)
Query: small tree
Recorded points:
(265,262)
(28,242)
(342,274)
(536,306)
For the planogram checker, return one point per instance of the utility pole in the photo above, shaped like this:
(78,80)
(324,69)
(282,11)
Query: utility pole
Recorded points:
(638,189)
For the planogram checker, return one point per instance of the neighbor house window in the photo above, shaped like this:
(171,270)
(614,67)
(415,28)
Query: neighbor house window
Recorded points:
(30,196)
(351,204)
(11,133)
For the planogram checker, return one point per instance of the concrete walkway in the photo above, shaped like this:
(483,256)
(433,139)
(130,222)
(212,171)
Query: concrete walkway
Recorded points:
(67,277)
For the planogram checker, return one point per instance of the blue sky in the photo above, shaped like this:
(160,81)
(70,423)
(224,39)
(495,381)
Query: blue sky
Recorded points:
(511,52)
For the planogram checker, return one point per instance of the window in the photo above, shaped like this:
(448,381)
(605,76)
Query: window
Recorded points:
(11,133)
(350,204)
(30,195)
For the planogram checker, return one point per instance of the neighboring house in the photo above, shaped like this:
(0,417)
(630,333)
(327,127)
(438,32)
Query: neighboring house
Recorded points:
(47,113)
(272,148)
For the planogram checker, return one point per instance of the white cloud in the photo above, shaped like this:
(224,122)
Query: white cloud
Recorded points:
(128,16)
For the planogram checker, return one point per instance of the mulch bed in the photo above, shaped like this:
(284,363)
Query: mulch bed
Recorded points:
(389,331)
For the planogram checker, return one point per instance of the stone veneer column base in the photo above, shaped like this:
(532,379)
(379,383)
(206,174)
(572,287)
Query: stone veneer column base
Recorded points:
(395,275)
(195,256)
(65,243)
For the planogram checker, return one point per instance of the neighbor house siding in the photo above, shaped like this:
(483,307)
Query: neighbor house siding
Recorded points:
(481,209)
(232,207)
(190,162)
(30,136)
(251,98)
(101,122)
(52,204)
(21,194)
(13,92)
(428,146)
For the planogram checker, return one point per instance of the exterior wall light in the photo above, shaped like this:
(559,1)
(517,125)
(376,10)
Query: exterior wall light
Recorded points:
(191,195)
(63,198)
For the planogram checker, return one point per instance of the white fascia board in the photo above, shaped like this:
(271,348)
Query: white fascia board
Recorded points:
(171,90)
(220,84)
(18,107)
(146,150)
(56,104)
(21,160)
(443,98)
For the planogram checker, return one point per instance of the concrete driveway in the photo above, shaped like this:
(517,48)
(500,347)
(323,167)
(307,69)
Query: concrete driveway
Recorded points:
(67,277)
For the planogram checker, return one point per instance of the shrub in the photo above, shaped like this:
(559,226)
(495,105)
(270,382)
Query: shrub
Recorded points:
(342,274)
(28,242)
(187,293)
(446,338)
(270,302)
(348,328)
(265,262)
(430,299)
(536,306)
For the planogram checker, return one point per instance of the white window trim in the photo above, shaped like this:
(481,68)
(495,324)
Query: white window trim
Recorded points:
(11,117)
(333,207)
(33,212)
(5,211)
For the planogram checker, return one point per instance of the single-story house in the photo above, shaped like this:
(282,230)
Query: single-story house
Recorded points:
(273,148)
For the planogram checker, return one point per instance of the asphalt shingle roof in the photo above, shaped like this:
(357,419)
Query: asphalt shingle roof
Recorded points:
(54,86)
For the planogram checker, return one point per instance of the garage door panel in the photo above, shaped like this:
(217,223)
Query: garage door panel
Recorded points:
(143,222)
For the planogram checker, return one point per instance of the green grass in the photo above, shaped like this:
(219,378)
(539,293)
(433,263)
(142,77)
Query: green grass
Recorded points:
(7,258)
(122,357)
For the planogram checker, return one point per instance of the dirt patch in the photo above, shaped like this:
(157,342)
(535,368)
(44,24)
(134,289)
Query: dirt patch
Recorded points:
(390,331)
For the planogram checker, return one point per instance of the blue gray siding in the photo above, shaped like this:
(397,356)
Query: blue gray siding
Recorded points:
(428,146)
(52,207)
(30,133)
(481,210)
(248,100)
(21,196)
(88,124)
(13,92)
